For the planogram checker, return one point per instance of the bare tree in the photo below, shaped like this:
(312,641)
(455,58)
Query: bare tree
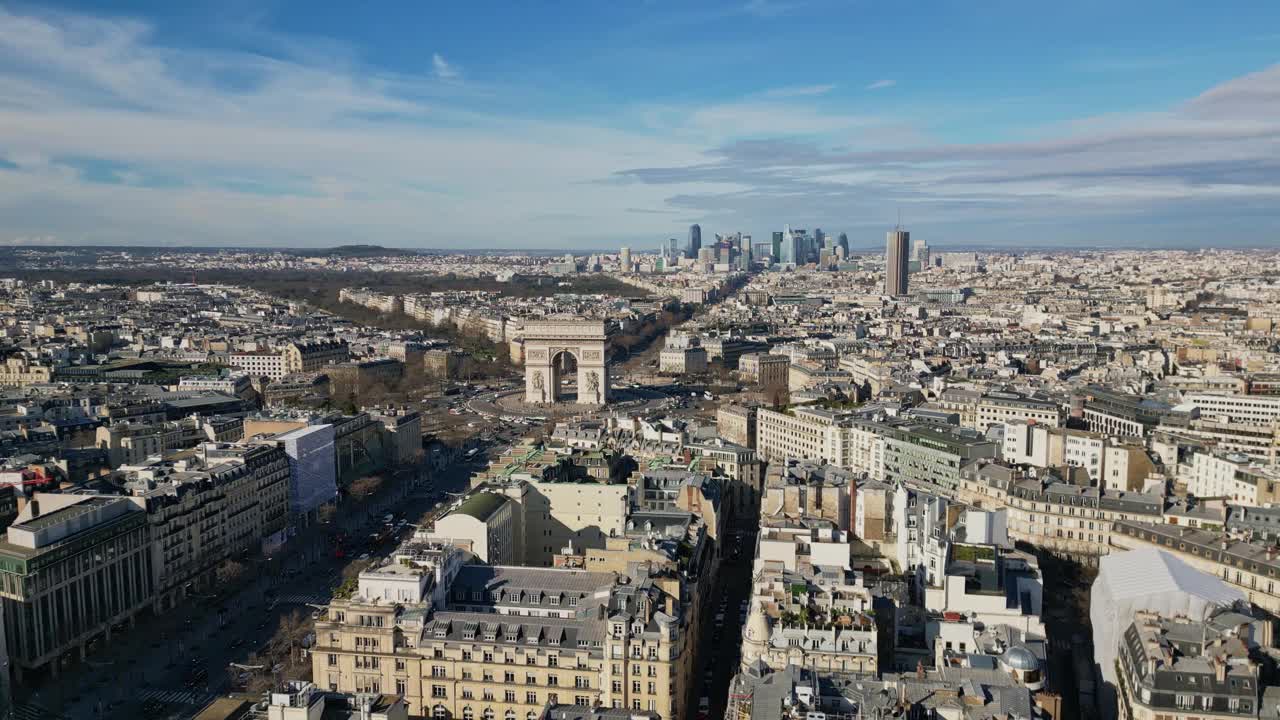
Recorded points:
(229,572)
(366,486)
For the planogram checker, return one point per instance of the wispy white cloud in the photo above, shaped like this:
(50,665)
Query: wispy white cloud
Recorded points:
(219,146)
(1214,155)
(882,84)
(442,68)
(800,90)
(109,135)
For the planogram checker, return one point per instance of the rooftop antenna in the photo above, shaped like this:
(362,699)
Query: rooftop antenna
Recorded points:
(899,225)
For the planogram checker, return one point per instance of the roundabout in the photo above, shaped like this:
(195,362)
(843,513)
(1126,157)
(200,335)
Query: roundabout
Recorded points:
(511,403)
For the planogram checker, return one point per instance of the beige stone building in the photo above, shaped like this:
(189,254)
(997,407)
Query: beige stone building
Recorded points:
(18,371)
(504,642)
(314,355)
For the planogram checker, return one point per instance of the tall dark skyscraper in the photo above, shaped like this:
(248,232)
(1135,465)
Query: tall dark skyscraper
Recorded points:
(897,253)
(776,253)
(695,240)
(843,241)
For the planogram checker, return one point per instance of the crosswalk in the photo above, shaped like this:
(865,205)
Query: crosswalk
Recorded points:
(302,599)
(34,711)
(176,697)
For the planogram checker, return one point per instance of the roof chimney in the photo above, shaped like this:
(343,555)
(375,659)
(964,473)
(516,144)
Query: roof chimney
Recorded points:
(35,508)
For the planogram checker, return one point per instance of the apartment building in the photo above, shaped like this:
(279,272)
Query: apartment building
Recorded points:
(313,355)
(504,642)
(1069,519)
(932,455)
(1234,477)
(764,369)
(1119,414)
(737,424)
(801,490)
(19,371)
(1031,443)
(738,468)
(1251,567)
(1004,407)
(1172,667)
(260,363)
(1259,442)
(202,513)
(807,607)
(847,439)
(1251,409)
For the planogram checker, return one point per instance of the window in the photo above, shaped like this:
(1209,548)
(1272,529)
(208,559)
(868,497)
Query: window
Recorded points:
(333,660)
(531,698)
(401,686)
(530,679)
(488,714)
(437,691)
(437,671)
(467,714)
(617,686)
(553,661)
(509,696)
(439,712)
(635,686)
(553,699)
(508,677)
(400,664)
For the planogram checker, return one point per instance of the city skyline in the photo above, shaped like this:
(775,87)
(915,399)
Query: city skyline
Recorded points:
(309,127)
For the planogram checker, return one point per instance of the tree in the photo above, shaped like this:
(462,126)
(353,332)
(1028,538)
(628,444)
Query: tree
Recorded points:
(366,486)
(779,396)
(229,572)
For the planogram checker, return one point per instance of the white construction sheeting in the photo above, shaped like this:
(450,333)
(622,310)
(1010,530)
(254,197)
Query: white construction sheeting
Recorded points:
(1147,579)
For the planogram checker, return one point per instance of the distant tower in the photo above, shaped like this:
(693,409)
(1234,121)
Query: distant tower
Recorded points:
(776,252)
(695,239)
(920,252)
(898,245)
(625,258)
(843,242)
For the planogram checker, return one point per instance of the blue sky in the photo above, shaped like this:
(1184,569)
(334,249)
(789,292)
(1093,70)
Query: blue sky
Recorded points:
(594,124)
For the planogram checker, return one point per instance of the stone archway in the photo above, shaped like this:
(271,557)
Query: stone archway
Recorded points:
(549,344)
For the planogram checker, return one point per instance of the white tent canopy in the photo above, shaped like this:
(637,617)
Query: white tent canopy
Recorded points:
(1148,579)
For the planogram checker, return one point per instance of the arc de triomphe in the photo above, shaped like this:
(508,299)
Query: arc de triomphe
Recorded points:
(548,344)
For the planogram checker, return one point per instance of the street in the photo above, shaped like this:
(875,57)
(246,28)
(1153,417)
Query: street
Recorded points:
(720,647)
(172,665)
